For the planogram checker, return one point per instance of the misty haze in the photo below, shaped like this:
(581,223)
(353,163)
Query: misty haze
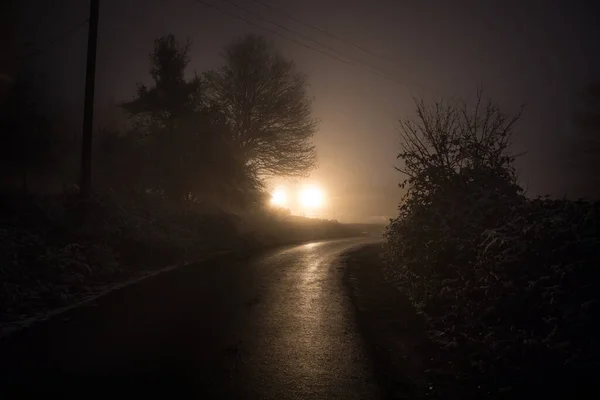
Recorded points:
(261,199)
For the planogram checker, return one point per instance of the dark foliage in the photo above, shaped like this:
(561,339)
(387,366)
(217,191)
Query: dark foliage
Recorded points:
(170,184)
(506,284)
(178,141)
(52,255)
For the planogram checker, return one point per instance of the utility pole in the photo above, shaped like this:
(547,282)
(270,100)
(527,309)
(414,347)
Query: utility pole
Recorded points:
(88,107)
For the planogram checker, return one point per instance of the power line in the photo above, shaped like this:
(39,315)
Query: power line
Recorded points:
(231,15)
(56,39)
(321,30)
(340,54)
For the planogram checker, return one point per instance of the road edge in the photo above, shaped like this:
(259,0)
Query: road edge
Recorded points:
(12,327)
(394,335)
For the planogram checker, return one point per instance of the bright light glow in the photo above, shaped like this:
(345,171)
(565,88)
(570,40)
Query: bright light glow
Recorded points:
(279,197)
(311,197)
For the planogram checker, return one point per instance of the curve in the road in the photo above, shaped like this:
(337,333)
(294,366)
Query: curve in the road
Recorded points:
(276,326)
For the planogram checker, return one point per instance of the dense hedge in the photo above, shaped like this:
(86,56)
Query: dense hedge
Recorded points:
(517,304)
(55,249)
(508,285)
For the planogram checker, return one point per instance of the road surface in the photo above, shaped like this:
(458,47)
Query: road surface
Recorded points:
(272,326)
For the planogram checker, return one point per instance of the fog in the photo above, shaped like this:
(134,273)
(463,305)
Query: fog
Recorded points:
(536,54)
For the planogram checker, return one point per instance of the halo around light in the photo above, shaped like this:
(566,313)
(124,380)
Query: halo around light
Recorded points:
(279,197)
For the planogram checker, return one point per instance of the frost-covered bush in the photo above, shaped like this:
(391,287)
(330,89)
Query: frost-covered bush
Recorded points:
(459,181)
(55,249)
(506,284)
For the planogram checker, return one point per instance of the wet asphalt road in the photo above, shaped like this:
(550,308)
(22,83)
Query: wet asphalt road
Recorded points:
(273,326)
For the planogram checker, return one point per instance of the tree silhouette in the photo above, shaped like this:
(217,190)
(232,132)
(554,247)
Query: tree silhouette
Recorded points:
(266,107)
(183,147)
(453,139)
(173,96)
(459,178)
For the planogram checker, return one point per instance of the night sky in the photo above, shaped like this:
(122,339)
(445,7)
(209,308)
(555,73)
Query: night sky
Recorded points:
(536,53)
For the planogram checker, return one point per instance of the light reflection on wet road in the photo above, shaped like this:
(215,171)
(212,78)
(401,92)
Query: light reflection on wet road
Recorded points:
(277,326)
(306,344)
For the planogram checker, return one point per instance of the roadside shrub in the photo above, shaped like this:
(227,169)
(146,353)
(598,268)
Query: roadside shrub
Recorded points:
(508,286)
(55,249)
(460,181)
(51,252)
(538,287)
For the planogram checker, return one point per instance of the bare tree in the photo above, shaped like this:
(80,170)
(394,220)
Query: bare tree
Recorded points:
(450,139)
(460,182)
(265,104)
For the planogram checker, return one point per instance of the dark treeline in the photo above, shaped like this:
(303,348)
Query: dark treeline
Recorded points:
(178,171)
(212,137)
